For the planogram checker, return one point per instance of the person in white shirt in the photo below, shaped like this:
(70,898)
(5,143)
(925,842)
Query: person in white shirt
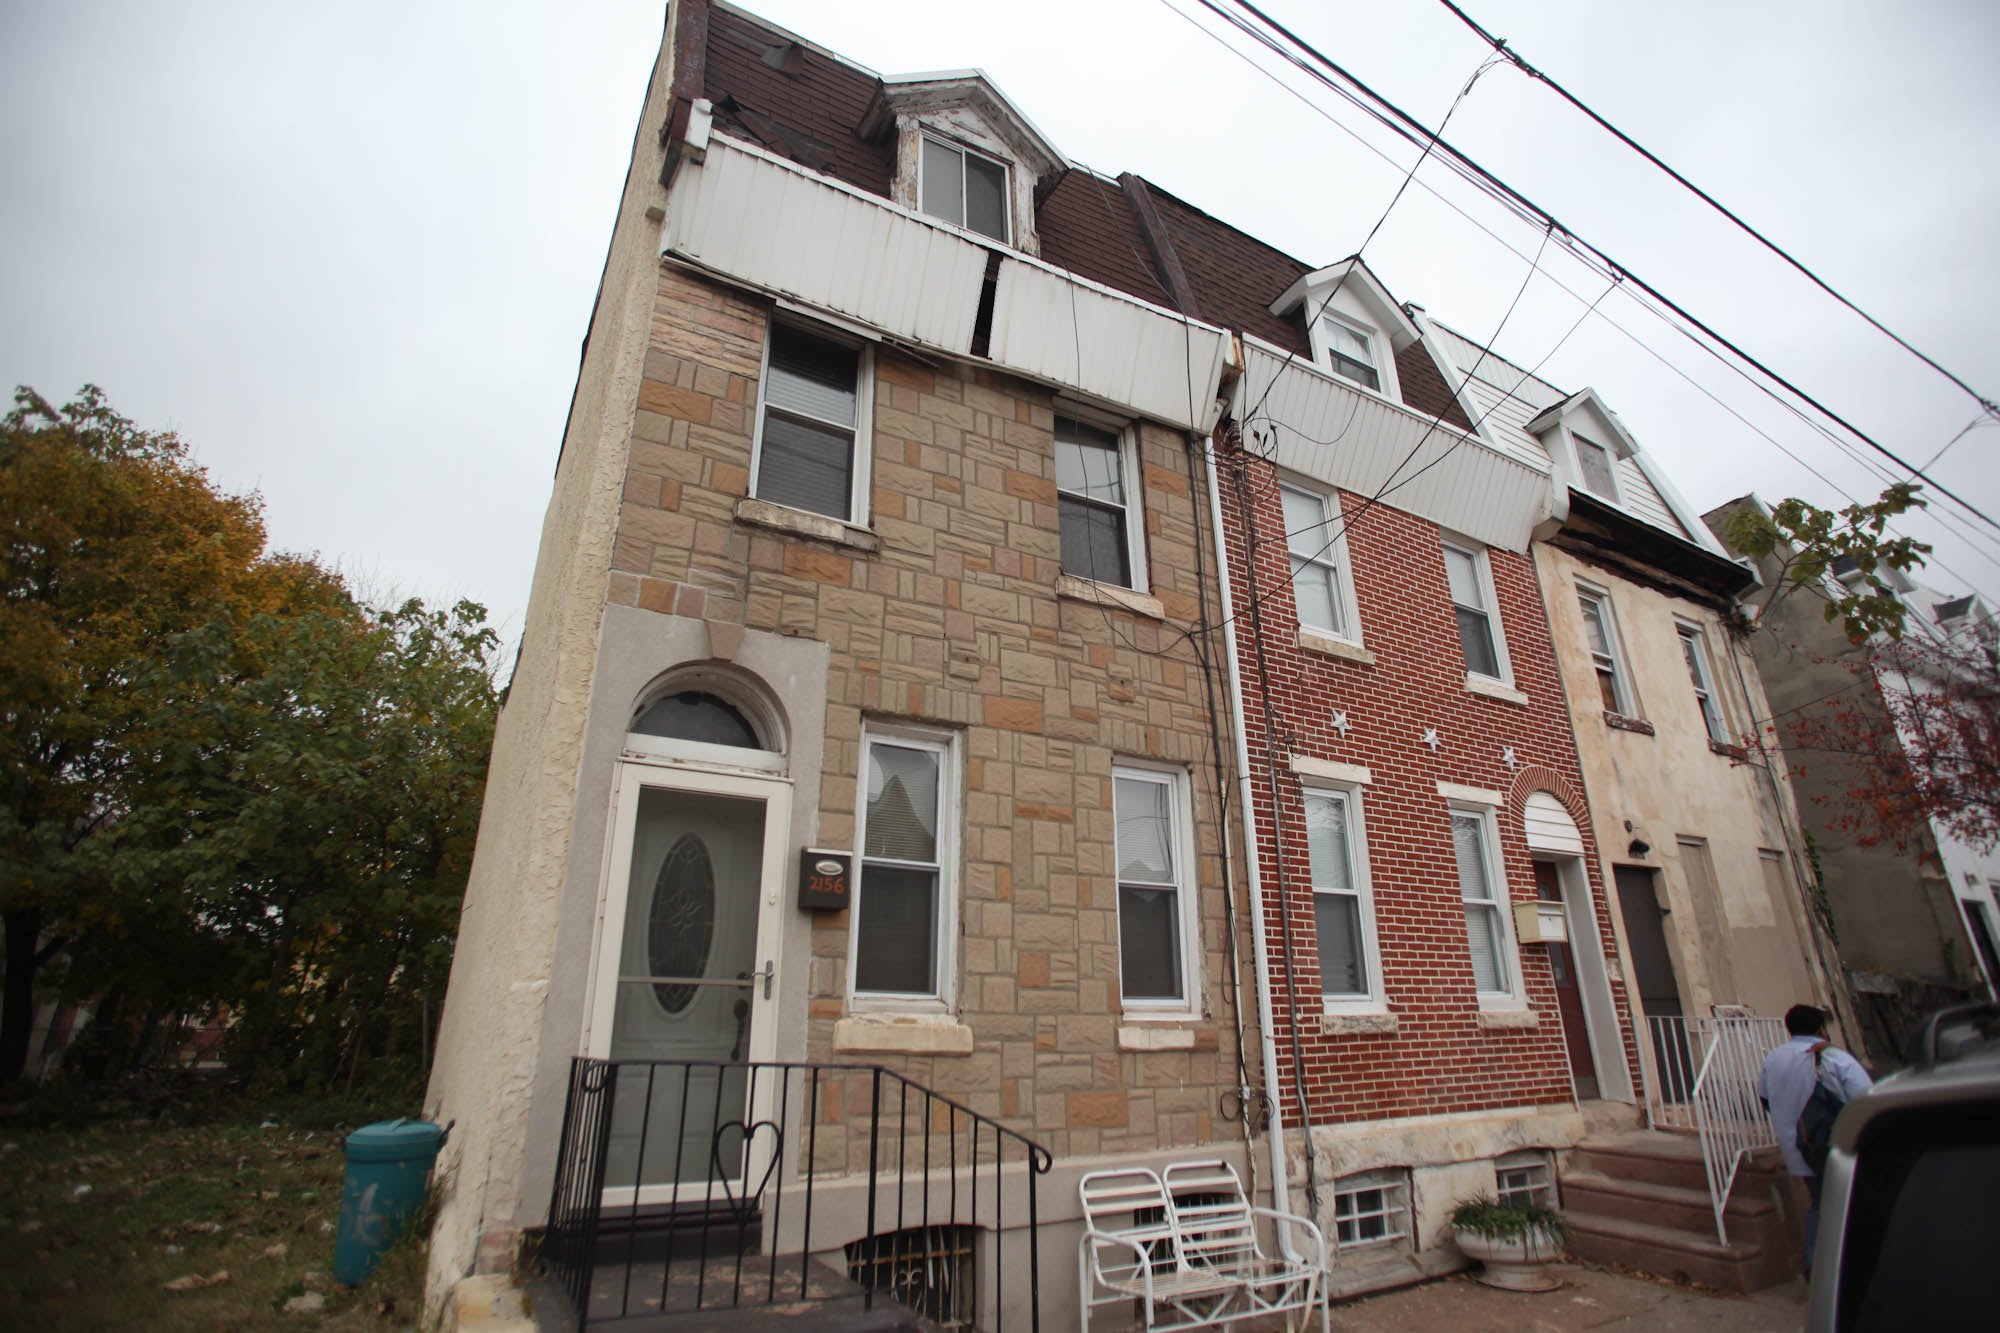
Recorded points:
(1786,1085)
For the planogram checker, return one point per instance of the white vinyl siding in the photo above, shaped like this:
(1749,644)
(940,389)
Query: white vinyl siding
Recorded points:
(1155,888)
(906,890)
(810,425)
(1320,586)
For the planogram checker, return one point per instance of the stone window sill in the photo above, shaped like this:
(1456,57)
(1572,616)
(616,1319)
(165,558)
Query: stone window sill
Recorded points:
(1501,1020)
(1494,689)
(901,1034)
(1319,641)
(1638,726)
(1341,1023)
(1156,1036)
(1736,752)
(1109,594)
(799,523)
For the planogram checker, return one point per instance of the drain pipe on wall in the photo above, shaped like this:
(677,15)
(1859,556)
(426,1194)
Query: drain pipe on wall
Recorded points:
(1280,1182)
(1205,652)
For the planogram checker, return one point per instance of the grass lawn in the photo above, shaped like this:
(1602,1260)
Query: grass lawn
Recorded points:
(95,1223)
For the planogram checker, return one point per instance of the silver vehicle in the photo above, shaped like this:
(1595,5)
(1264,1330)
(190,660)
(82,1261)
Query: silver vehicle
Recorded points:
(1909,1232)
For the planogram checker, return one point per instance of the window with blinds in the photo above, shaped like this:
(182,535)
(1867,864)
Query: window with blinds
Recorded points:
(809,424)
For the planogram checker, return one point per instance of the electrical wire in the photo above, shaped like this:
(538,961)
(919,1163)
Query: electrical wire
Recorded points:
(1514,57)
(1449,153)
(1592,263)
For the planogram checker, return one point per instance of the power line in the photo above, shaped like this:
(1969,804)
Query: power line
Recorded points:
(1500,45)
(1595,265)
(1515,197)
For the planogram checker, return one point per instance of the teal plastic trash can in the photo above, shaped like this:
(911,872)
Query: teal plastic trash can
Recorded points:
(388,1168)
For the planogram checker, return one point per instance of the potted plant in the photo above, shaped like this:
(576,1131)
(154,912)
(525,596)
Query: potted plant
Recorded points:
(1513,1241)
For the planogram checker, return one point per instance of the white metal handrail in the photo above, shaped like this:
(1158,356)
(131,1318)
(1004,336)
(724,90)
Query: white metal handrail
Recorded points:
(1727,1115)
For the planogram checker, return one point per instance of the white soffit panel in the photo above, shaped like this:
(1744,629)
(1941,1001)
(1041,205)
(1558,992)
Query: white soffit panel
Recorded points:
(1322,427)
(1549,827)
(758,218)
(1062,330)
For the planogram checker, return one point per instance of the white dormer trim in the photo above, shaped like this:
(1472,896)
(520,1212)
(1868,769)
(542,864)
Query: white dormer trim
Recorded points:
(1350,295)
(962,108)
(1585,412)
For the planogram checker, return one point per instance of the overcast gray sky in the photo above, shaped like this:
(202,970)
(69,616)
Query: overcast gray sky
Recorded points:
(348,251)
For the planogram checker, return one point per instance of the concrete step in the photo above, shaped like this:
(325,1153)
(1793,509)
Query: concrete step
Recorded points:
(1661,1205)
(1671,1252)
(1653,1157)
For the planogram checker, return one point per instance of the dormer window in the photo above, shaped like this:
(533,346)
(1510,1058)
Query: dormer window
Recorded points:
(1349,352)
(964,188)
(1593,464)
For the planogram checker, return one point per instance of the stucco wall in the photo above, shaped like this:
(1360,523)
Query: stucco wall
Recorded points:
(490,1035)
(1740,943)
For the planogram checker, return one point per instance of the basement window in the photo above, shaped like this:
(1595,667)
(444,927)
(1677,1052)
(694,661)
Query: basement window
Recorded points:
(1524,1178)
(927,1270)
(1372,1208)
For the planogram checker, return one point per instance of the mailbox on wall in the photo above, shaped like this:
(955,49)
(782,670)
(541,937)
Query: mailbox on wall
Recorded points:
(824,879)
(1540,923)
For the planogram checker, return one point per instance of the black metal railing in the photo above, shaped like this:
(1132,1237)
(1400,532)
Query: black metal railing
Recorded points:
(689,1185)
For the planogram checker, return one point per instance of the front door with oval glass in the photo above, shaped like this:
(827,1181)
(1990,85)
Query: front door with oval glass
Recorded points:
(687,982)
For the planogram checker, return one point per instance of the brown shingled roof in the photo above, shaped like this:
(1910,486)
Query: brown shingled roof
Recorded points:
(798,103)
(1087,226)
(805,105)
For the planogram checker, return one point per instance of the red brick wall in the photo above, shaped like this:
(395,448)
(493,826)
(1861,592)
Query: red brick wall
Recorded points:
(1440,1059)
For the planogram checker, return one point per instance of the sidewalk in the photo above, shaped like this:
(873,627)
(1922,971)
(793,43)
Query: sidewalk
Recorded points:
(1591,1298)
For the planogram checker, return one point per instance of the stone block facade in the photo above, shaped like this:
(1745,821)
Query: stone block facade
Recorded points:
(948,608)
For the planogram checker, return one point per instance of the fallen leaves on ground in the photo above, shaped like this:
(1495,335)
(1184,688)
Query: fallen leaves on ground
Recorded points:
(196,1282)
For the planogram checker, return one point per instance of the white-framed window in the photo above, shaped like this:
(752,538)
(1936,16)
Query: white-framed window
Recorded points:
(1489,934)
(964,187)
(906,885)
(1349,351)
(814,403)
(1097,489)
(1471,577)
(1372,1208)
(1153,853)
(1524,1178)
(1600,632)
(1596,468)
(1321,586)
(1694,650)
(1350,969)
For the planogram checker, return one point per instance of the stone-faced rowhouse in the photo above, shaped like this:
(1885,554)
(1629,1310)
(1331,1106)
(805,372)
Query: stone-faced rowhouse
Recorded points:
(948,546)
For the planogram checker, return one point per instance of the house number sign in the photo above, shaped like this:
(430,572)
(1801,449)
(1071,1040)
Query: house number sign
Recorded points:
(823,879)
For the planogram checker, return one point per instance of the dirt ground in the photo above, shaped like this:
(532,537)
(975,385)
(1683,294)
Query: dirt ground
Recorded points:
(1591,1299)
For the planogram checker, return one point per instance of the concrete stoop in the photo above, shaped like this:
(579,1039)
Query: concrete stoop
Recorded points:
(487,1303)
(1641,1201)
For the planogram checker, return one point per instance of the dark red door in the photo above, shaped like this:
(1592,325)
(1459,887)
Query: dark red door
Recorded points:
(1569,1000)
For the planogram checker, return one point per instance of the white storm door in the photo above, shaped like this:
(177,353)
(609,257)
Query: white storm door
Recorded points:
(686,981)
